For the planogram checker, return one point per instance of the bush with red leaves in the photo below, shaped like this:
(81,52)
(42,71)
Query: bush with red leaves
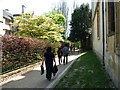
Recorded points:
(21,51)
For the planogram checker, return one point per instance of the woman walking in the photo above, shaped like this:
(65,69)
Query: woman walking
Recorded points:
(49,58)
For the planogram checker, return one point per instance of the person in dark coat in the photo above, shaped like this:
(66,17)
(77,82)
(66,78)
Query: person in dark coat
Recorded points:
(49,58)
(59,52)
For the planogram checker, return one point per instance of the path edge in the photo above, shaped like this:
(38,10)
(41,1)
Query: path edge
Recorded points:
(56,81)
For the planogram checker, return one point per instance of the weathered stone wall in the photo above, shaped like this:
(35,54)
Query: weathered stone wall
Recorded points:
(110,63)
(117,7)
(112,43)
(97,41)
(117,11)
(113,49)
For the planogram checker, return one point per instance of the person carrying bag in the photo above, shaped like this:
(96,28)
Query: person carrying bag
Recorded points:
(55,69)
(49,58)
(42,70)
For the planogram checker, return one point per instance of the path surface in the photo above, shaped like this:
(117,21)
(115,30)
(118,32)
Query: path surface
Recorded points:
(34,79)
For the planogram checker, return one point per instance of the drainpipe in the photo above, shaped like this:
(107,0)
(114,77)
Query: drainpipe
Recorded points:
(103,32)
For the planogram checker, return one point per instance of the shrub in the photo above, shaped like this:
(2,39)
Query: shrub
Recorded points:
(20,51)
(55,47)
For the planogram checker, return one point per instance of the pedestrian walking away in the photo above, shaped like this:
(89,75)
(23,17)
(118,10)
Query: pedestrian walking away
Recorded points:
(71,49)
(49,58)
(65,51)
(74,48)
(59,52)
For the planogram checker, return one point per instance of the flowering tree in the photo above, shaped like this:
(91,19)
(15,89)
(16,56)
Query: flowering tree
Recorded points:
(58,18)
(42,27)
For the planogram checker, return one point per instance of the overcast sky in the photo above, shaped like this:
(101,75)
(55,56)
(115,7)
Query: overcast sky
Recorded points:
(39,6)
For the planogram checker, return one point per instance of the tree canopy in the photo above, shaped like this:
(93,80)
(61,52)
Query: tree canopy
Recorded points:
(58,18)
(80,23)
(43,27)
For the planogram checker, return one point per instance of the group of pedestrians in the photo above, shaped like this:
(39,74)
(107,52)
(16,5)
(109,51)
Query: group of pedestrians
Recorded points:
(72,48)
(49,59)
(63,52)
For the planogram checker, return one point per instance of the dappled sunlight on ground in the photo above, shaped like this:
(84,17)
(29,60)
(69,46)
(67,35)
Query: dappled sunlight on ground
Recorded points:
(18,78)
(34,77)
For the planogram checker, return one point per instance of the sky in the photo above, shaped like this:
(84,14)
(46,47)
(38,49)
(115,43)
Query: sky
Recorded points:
(38,6)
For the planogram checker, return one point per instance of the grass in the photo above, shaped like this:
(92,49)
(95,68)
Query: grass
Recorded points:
(86,72)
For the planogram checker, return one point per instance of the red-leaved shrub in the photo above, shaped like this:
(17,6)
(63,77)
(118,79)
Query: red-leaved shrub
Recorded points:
(19,51)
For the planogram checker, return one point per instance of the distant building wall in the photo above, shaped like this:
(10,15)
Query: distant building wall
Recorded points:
(2,32)
(7,20)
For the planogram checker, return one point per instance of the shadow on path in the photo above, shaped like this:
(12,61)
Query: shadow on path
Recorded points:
(34,79)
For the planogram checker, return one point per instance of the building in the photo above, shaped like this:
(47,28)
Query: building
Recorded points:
(2,32)
(106,36)
(7,20)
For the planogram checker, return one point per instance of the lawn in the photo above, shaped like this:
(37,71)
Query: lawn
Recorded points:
(86,72)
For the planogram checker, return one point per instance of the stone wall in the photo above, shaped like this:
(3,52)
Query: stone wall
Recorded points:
(112,42)
(112,60)
(117,51)
(97,41)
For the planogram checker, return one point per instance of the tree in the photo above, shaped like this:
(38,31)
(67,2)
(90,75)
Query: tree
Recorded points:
(41,27)
(80,24)
(63,8)
(57,16)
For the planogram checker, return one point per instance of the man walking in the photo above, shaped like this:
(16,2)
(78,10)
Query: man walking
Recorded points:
(65,51)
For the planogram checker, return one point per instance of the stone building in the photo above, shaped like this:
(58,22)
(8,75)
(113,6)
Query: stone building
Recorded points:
(2,32)
(106,36)
(7,20)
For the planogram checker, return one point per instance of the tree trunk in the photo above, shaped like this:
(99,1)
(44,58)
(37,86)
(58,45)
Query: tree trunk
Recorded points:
(83,44)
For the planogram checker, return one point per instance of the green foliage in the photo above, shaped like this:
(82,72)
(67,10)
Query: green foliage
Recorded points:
(42,27)
(55,11)
(77,44)
(20,51)
(80,23)
(57,17)
(55,47)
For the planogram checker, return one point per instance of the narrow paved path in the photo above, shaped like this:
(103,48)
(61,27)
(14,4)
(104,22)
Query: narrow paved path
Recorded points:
(34,79)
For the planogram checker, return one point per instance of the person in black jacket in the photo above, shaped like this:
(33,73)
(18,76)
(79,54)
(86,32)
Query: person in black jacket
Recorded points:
(59,52)
(49,58)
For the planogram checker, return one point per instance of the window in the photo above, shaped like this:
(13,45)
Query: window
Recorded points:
(111,18)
